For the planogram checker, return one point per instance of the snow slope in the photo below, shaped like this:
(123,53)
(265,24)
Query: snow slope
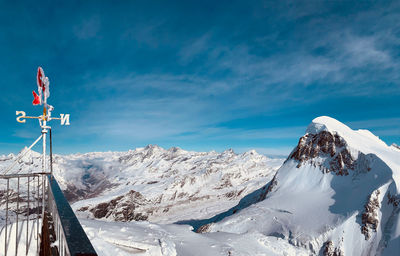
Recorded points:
(144,238)
(338,192)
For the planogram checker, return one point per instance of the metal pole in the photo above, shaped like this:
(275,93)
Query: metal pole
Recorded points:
(5,237)
(51,154)
(44,132)
(16,229)
(37,215)
(27,223)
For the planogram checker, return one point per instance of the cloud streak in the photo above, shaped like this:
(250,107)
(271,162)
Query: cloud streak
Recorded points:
(251,75)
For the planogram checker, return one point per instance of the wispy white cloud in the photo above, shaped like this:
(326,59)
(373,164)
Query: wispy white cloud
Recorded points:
(194,47)
(88,27)
(346,53)
(24,133)
(145,33)
(381,127)
(246,134)
(361,51)
(375,123)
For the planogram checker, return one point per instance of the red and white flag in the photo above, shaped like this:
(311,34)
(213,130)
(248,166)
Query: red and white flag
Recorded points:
(36,99)
(43,88)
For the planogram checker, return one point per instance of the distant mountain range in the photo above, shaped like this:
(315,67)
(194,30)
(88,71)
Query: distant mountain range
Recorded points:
(337,193)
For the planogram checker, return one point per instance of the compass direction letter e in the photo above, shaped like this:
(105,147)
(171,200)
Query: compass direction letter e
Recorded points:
(22,115)
(64,119)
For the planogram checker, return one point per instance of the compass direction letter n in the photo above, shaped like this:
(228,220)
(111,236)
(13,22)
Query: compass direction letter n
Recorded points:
(64,119)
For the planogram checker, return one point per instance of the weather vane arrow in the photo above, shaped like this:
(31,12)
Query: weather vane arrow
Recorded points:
(40,98)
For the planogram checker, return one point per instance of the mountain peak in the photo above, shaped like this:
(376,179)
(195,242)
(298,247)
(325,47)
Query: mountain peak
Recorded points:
(336,181)
(328,124)
(362,140)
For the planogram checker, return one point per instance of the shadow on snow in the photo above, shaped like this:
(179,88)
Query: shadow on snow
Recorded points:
(252,198)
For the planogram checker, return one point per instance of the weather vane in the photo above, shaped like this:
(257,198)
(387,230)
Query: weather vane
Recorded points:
(43,84)
(40,98)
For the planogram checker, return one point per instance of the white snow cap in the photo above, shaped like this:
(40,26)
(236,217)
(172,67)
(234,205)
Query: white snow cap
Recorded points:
(362,140)
(326,123)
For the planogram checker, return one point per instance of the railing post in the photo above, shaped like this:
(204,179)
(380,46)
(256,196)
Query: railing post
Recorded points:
(72,240)
(37,213)
(5,237)
(43,195)
(27,224)
(16,226)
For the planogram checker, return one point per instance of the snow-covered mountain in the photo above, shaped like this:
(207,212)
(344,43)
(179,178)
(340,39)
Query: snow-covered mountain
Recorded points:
(336,194)
(153,183)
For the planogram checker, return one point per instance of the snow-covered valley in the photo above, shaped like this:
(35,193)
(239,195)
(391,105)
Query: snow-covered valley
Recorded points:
(337,193)
(160,185)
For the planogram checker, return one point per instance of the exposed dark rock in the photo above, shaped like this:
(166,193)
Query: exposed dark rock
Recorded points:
(122,208)
(100,210)
(83,209)
(182,194)
(330,250)
(328,146)
(225,182)
(73,194)
(204,229)
(230,194)
(394,200)
(369,217)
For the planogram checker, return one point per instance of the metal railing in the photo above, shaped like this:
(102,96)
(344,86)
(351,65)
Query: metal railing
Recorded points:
(46,214)
(23,200)
(71,238)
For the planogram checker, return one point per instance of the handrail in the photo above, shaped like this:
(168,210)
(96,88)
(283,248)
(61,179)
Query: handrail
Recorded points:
(23,195)
(71,237)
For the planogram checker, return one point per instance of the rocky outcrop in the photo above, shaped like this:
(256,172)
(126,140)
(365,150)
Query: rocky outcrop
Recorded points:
(330,250)
(205,228)
(121,208)
(393,200)
(325,150)
(369,217)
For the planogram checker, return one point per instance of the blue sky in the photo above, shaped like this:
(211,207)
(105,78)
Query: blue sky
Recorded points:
(201,75)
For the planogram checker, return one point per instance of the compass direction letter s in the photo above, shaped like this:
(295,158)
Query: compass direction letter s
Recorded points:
(22,115)
(64,119)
